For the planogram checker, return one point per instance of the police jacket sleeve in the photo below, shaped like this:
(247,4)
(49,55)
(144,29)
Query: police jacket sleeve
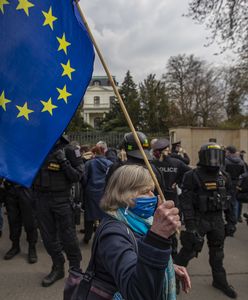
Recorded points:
(138,276)
(182,169)
(73,173)
(188,197)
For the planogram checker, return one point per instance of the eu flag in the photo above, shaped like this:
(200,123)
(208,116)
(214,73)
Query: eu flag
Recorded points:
(46,65)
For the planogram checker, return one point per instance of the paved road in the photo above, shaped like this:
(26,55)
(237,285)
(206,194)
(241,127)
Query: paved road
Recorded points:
(21,281)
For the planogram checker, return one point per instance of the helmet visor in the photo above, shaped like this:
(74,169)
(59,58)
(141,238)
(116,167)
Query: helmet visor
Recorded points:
(212,157)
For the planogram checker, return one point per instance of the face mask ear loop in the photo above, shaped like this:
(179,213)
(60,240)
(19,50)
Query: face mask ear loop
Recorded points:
(126,209)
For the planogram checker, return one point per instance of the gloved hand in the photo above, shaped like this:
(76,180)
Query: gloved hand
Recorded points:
(60,155)
(230,229)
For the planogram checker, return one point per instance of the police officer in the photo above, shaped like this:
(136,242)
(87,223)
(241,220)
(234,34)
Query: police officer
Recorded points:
(178,152)
(19,205)
(52,187)
(204,198)
(171,168)
(134,155)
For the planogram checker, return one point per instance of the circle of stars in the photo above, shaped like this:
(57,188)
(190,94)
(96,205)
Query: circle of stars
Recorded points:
(49,18)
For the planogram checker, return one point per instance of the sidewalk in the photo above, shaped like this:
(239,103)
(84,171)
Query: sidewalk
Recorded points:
(21,281)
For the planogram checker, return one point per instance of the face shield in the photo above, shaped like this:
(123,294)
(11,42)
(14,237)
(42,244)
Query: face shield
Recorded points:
(213,156)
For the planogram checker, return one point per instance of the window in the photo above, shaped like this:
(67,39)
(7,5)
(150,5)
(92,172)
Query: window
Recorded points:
(96,82)
(96,100)
(112,101)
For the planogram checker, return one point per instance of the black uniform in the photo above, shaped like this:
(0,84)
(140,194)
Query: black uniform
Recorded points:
(204,198)
(52,186)
(172,170)
(235,167)
(19,201)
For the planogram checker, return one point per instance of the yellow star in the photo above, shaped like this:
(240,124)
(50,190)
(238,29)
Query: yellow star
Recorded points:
(2,3)
(3,100)
(24,111)
(48,106)
(63,94)
(25,5)
(67,69)
(49,18)
(63,44)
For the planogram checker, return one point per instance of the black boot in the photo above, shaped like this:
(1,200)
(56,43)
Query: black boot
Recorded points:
(226,289)
(13,251)
(220,283)
(56,273)
(32,255)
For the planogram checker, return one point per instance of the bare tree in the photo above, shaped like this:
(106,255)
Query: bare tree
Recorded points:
(227,20)
(192,86)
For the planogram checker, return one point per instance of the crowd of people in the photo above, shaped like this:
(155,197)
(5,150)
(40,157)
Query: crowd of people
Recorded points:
(137,253)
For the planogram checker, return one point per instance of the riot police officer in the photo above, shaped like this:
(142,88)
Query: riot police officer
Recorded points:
(52,187)
(134,156)
(204,198)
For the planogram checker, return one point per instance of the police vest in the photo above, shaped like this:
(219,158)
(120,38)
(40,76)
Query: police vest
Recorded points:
(212,194)
(51,177)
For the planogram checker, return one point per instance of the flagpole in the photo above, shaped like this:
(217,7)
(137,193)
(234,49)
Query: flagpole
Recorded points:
(129,121)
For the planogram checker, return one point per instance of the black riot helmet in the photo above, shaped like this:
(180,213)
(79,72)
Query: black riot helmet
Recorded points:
(211,155)
(131,147)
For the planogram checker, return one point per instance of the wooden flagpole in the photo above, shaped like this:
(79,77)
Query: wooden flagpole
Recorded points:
(129,121)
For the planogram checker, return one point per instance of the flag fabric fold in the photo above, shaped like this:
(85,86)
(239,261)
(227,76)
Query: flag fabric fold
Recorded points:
(46,65)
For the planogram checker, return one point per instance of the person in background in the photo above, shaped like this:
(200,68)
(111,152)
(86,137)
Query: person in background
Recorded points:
(133,253)
(134,156)
(235,167)
(178,152)
(93,184)
(110,153)
(172,170)
(86,153)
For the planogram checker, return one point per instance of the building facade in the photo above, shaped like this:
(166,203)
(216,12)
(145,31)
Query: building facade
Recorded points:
(97,100)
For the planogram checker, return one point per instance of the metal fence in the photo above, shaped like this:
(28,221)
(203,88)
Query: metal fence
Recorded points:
(112,138)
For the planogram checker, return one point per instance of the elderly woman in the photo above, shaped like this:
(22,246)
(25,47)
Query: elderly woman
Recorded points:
(133,251)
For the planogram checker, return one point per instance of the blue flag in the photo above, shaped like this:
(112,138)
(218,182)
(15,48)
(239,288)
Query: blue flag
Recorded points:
(46,65)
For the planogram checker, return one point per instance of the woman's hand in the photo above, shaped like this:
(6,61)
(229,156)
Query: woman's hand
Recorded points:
(166,219)
(183,276)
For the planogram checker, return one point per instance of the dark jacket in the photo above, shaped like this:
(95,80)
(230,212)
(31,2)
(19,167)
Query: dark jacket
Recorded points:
(137,276)
(172,170)
(94,184)
(184,158)
(234,166)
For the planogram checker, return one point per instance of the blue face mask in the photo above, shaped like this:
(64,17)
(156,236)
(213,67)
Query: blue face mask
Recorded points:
(144,206)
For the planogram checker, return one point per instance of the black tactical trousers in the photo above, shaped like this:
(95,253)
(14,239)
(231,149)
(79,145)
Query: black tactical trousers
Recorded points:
(57,227)
(20,212)
(213,227)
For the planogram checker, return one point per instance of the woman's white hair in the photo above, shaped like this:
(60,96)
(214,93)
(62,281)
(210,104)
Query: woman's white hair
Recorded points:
(124,185)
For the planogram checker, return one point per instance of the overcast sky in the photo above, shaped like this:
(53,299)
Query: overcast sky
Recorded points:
(141,35)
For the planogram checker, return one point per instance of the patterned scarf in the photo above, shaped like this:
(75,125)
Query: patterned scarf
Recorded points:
(141,226)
